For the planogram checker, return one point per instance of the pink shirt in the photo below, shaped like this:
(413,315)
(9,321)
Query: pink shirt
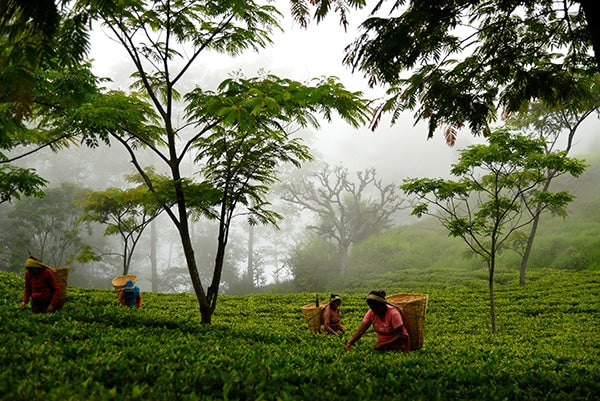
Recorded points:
(386,328)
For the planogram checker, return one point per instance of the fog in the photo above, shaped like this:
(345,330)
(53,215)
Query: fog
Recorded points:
(396,151)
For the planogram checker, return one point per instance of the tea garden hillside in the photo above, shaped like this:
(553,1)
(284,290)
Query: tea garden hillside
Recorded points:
(259,347)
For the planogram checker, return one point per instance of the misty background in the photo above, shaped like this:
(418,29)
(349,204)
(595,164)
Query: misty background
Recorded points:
(263,258)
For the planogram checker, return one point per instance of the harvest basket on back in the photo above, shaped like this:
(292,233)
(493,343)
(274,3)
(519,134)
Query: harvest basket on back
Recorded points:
(313,315)
(119,282)
(61,274)
(413,308)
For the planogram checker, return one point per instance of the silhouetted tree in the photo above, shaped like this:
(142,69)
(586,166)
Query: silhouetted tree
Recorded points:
(348,211)
(46,228)
(125,213)
(457,64)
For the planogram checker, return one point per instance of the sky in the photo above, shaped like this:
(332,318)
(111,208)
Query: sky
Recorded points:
(397,151)
(301,54)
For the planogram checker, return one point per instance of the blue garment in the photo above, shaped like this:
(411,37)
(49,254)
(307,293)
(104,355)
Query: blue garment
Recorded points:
(130,293)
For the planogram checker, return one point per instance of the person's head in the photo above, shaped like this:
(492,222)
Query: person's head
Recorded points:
(34,265)
(335,301)
(376,301)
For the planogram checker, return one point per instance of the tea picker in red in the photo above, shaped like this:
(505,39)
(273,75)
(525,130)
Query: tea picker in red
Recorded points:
(40,286)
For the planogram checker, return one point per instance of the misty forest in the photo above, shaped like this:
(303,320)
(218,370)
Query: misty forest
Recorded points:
(242,166)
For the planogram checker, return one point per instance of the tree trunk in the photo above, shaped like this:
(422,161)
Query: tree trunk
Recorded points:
(528,247)
(592,15)
(153,263)
(205,310)
(492,296)
(125,264)
(188,251)
(533,231)
(250,266)
(344,250)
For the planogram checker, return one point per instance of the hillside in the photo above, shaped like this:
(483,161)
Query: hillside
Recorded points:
(570,243)
(259,347)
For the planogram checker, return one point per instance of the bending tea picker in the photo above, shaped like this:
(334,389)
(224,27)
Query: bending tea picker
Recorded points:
(40,286)
(387,322)
(331,316)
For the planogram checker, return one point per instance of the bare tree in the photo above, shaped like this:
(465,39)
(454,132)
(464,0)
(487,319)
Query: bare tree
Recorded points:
(348,211)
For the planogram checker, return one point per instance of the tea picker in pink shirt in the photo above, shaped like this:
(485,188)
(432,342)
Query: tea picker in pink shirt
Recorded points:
(387,323)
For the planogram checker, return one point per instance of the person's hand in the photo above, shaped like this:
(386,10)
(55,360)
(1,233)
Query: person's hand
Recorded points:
(50,309)
(23,304)
(348,346)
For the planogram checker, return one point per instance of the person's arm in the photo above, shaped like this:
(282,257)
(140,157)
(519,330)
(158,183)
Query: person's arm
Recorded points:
(361,330)
(399,335)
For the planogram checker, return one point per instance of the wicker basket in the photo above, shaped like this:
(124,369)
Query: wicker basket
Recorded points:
(413,308)
(62,275)
(313,316)
(119,282)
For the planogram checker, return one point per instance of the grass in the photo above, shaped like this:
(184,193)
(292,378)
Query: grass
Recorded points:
(258,346)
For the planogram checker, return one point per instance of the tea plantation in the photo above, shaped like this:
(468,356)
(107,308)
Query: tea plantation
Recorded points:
(259,347)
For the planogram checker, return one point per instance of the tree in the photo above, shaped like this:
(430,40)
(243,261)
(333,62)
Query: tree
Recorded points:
(124,212)
(46,228)
(500,191)
(347,213)
(40,50)
(459,63)
(15,181)
(549,125)
(164,40)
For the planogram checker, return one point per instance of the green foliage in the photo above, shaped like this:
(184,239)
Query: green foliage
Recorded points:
(500,186)
(501,190)
(47,228)
(259,347)
(15,181)
(314,265)
(458,66)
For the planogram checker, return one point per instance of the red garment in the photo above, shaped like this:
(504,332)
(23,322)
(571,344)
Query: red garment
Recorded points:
(41,286)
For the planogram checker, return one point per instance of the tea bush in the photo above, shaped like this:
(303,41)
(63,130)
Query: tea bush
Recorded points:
(259,347)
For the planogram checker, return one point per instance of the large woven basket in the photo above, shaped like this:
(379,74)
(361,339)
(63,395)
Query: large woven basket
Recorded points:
(413,308)
(119,282)
(312,314)
(62,275)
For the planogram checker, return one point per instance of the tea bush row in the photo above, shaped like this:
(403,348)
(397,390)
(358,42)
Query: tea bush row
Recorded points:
(259,347)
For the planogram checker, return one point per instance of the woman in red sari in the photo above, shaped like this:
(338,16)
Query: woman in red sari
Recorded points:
(40,286)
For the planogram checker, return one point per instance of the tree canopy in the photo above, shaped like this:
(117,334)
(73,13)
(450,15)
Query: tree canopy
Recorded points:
(465,63)
(500,190)
(217,147)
